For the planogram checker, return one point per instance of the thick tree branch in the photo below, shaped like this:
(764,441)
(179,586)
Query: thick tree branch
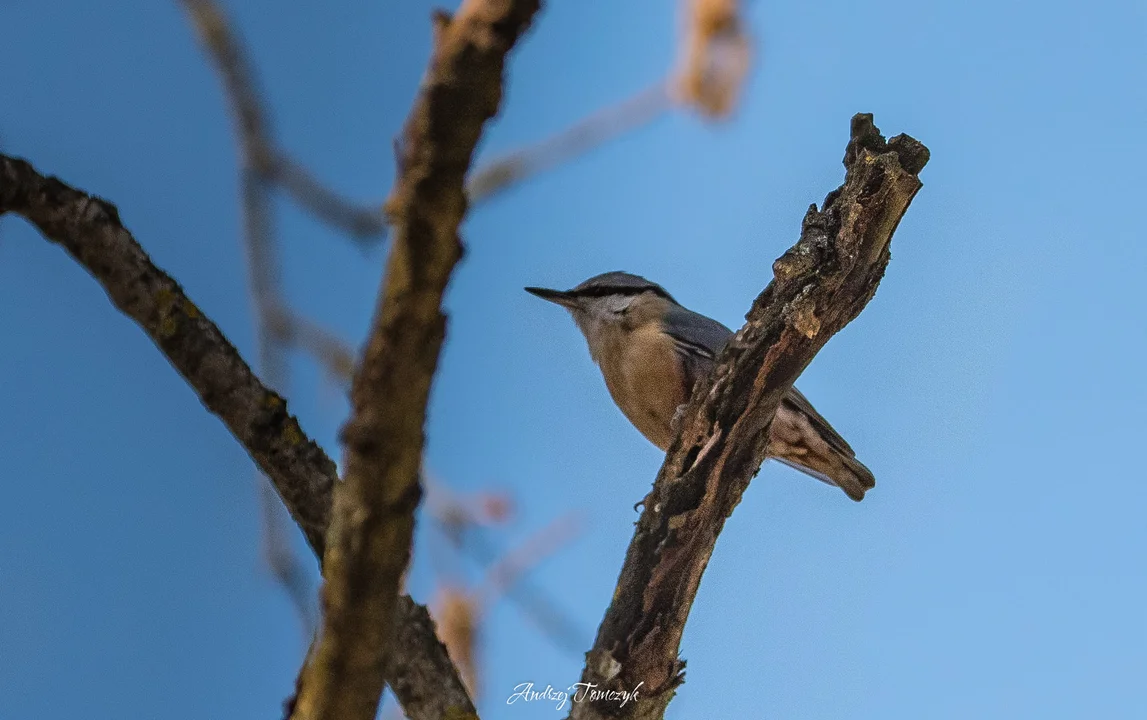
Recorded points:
(421,674)
(369,541)
(91,231)
(818,287)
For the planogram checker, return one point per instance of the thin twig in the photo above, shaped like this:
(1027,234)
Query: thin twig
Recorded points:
(511,567)
(265,156)
(285,564)
(252,132)
(264,281)
(460,610)
(365,224)
(509,576)
(595,130)
(331,352)
(506,573)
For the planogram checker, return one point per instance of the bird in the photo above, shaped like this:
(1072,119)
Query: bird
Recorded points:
(652,351)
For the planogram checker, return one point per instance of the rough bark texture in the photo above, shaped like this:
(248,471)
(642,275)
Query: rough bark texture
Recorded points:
(368,546)
(420,672)
(818,286)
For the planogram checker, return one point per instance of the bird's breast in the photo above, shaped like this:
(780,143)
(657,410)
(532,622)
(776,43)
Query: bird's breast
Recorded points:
(644,376)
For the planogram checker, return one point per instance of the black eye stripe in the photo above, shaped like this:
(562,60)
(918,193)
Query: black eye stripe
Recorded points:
(605,290)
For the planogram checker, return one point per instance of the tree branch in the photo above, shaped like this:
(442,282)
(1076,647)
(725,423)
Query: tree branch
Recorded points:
(818,287)
(369,541)
(91,231)
(421,674)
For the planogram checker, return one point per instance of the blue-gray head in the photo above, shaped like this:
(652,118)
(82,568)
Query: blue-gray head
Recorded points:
(611,299)
(615,284)
(614,307)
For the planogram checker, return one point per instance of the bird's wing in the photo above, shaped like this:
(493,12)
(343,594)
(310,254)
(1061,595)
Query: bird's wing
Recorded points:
(800,403)
(697,336)
(697,340)
(695,333)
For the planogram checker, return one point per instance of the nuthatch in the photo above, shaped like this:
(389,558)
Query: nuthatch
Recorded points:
(652,351)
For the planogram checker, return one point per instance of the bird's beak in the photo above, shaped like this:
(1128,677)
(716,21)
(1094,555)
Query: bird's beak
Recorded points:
(561,297)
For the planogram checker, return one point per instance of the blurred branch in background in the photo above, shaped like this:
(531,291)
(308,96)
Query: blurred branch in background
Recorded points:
(715,57)
(466,522)
(714,61)
(597,129)
(258,146)
(285,564)
(508,576)
(333,354)
(257,155)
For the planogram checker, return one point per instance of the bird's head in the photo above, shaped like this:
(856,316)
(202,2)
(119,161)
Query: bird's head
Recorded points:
(610,302)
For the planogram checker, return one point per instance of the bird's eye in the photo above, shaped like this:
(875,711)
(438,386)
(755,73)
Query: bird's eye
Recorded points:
(619,305)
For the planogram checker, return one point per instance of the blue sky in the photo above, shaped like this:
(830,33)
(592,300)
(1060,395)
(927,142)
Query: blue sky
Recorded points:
(994,385)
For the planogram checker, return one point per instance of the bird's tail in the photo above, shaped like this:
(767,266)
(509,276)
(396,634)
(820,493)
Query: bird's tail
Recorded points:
(801,438)
(839,469)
